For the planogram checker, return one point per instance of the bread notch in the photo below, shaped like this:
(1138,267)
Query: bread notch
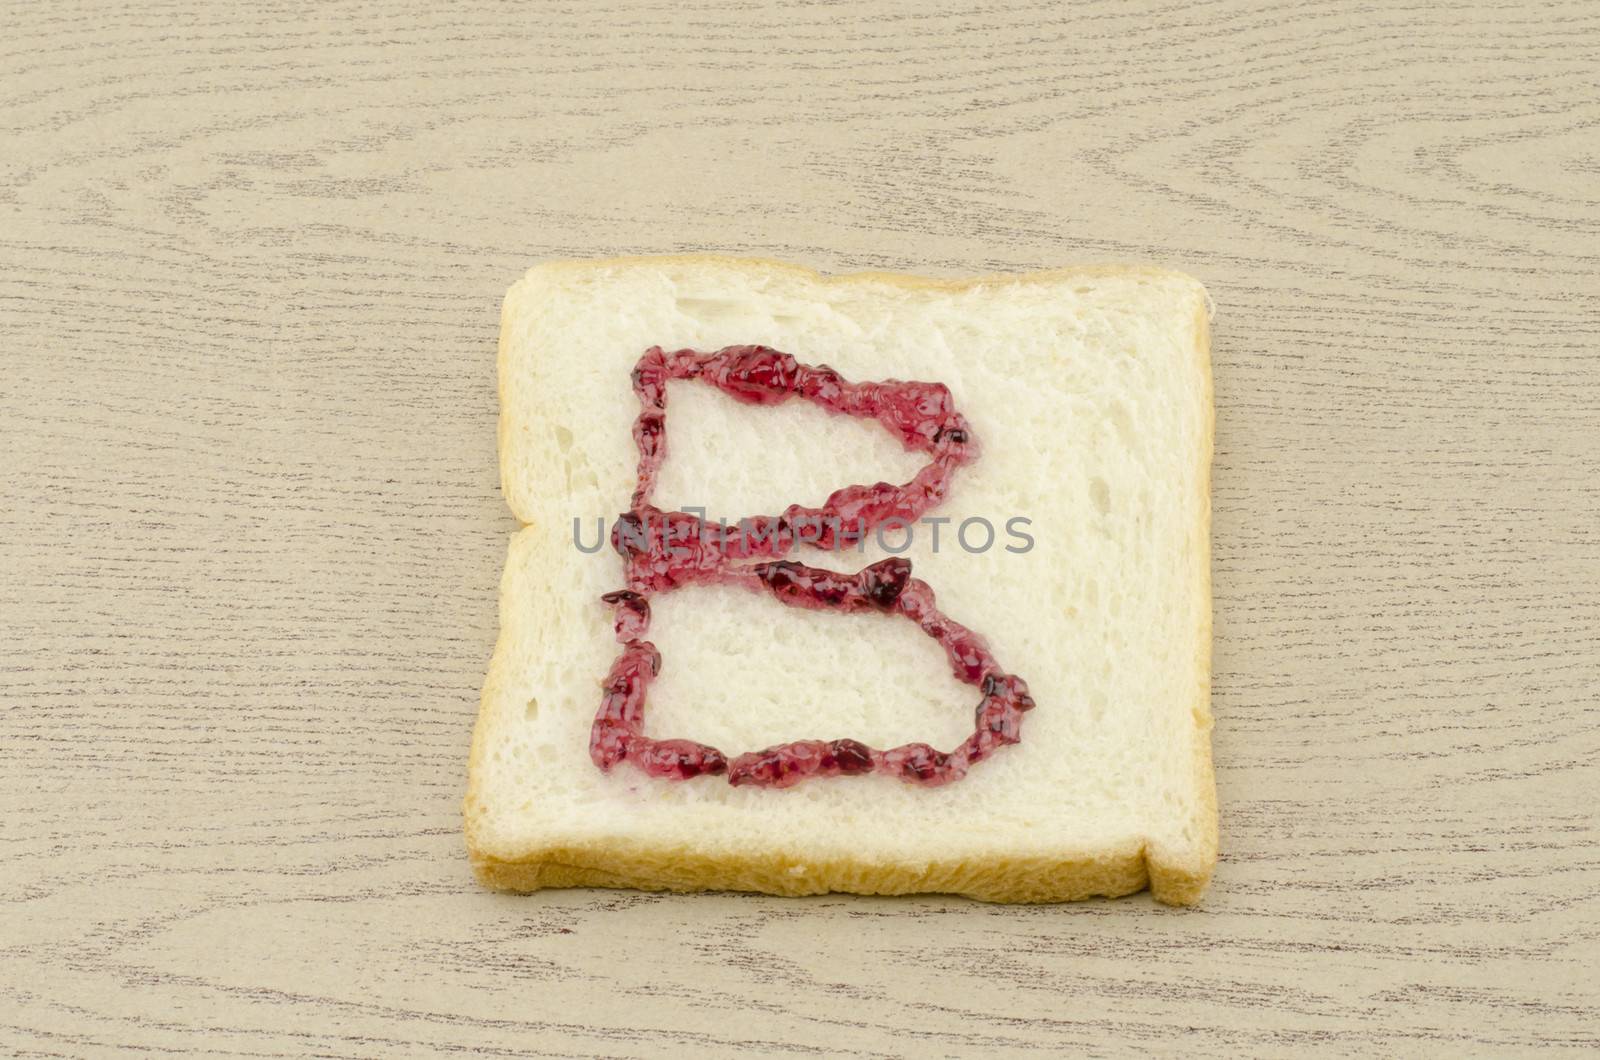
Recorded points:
(1070,531)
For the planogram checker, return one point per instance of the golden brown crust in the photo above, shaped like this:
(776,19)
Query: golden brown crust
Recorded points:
(675,867)
(1055,879)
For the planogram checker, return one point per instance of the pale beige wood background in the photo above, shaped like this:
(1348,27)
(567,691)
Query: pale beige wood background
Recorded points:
(250,264)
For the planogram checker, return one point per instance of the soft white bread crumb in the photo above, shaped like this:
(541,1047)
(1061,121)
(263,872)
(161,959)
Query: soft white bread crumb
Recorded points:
(1089,391)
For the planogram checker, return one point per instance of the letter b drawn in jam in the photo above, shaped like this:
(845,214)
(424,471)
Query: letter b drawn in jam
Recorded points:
(664,550)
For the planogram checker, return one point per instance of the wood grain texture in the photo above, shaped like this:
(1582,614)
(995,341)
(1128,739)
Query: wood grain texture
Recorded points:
(251,259)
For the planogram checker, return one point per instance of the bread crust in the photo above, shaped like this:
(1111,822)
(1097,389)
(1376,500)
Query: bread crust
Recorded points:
(1172,878)
(666,868)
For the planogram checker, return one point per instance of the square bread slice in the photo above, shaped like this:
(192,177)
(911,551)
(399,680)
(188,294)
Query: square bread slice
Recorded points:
(1089,392)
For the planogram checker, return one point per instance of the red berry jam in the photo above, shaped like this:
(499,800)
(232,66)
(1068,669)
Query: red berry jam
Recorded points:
(665,550)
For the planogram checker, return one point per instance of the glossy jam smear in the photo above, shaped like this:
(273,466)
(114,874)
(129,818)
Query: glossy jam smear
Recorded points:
(667,550)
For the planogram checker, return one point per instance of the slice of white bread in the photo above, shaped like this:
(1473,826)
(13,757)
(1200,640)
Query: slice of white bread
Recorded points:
(1089,392)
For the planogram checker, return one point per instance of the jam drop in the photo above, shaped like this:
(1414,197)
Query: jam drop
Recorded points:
(664,550)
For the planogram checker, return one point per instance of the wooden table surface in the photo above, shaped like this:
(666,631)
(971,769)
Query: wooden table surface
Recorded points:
(251,259)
